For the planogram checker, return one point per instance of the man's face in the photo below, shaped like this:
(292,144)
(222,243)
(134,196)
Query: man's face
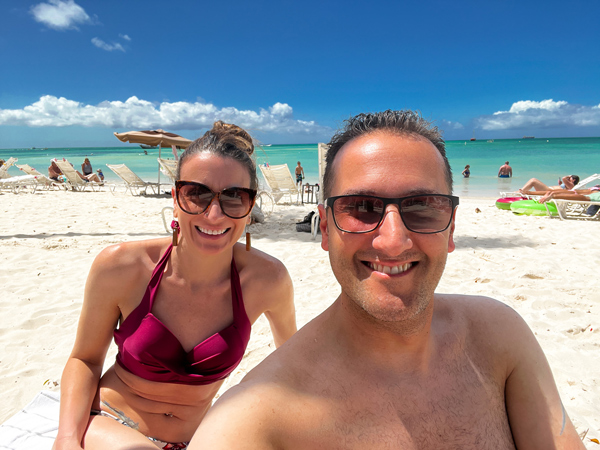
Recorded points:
(387,165)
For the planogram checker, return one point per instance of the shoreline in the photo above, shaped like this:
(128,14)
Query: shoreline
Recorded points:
(541,267)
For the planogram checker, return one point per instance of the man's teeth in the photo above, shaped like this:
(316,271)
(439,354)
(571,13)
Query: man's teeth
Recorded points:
(390,270)
(212,231)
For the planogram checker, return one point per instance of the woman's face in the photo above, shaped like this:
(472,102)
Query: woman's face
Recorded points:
(212,231)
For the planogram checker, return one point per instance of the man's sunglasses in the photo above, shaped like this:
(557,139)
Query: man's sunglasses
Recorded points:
(426,213)
(195,198)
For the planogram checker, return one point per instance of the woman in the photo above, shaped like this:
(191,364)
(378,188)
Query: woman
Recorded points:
(199,296)
(567,182)
(86,167)
(467,172)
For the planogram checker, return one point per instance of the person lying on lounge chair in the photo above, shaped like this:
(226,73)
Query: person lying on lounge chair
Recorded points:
(565,183)
(586,195)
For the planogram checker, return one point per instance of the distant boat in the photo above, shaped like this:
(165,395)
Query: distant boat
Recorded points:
(528,137)
(473,139)
(490,140)
(148,147)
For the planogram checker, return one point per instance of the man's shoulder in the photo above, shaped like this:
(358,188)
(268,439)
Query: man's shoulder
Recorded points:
(483,321)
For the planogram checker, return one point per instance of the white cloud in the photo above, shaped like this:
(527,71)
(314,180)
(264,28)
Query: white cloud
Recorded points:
(449,125)
(124,36)
(545,114)
(135,114)
(59,14)
(108,47)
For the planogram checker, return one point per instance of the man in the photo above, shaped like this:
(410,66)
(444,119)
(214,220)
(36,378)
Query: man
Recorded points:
(53,171)
(391,365)
(299,175)
(505,171)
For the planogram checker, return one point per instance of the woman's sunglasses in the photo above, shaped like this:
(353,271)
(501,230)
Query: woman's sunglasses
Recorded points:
(426,214)
(195,198)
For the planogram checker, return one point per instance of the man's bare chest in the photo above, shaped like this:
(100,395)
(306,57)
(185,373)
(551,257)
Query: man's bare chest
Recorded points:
(456,407)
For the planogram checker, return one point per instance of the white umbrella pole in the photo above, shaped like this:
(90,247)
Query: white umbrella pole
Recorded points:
(159,147)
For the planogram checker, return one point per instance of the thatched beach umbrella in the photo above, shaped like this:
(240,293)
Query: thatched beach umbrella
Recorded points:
(156,138)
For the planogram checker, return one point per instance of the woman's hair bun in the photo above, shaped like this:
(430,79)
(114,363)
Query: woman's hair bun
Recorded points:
(234,135)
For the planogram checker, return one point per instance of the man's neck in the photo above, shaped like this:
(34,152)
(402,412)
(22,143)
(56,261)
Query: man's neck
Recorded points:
(409,342)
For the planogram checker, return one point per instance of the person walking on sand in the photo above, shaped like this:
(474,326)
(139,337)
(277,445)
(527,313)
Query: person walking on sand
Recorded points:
(505,171)
(299,175)
(392,364)
(180,311)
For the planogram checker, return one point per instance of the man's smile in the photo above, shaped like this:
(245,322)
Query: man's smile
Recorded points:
(389,270)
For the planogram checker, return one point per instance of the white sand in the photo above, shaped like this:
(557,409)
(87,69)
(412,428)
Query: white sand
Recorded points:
(544,268)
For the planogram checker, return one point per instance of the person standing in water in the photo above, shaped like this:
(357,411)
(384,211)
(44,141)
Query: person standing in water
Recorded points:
(505,171)
(299,175)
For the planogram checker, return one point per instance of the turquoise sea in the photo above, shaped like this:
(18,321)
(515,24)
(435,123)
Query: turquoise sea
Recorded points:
(545,159)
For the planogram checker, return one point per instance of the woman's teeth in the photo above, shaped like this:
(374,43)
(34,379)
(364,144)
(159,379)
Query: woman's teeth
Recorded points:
(213,232)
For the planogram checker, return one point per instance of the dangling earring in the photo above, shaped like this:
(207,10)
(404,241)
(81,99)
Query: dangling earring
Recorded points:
(175,227)
(248,243)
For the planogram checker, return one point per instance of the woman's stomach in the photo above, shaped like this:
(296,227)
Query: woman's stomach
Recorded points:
(165,411)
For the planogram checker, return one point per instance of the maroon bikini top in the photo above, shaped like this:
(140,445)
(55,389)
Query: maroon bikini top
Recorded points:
(148,349)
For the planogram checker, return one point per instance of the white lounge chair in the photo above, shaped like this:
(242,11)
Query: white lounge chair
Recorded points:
(168,167)
(576,209)
(19,183)
(74,181)
(579,185)
(132,181)
(41,179)
(587,180)
(4,168)
(280,181)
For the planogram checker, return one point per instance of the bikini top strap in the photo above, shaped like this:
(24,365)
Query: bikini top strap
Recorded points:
(157,275)
(236,292)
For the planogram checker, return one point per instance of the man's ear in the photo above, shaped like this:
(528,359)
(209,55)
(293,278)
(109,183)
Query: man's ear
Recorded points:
(324,229)
(451,244)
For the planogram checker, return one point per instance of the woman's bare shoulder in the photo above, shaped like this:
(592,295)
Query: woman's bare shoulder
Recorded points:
(262,267)
(128,259)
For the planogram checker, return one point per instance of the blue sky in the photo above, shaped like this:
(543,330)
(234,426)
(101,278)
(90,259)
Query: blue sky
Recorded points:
(290,72)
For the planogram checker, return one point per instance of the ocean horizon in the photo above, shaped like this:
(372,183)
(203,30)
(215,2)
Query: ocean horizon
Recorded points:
(545,159)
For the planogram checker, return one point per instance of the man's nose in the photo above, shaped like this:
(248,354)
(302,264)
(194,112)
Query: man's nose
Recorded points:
(393,237)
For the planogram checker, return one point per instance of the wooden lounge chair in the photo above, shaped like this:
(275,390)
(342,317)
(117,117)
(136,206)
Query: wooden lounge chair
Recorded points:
(280,181)
(74,181)
(168,167)
(132,181)
(41,179)
(4,168)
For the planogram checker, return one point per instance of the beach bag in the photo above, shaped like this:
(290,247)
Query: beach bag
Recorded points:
(592,209)
(304,226)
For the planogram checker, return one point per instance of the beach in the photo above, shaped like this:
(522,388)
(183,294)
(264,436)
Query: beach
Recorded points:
(543,268)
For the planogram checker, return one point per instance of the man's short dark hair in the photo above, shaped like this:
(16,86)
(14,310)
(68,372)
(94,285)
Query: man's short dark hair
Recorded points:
(405,122)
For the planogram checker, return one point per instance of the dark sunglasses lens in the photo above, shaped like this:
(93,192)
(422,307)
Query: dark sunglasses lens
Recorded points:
(236,202)
(427,214)
(357,214)
(194,198)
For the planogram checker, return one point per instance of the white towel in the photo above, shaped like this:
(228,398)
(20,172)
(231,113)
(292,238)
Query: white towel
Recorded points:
(34,427)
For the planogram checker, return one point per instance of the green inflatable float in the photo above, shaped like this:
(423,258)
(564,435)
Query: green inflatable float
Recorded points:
(533,208)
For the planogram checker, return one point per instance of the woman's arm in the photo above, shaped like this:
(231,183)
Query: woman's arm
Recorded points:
(282,311)
(268,288)
(99,315)
(568,182)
